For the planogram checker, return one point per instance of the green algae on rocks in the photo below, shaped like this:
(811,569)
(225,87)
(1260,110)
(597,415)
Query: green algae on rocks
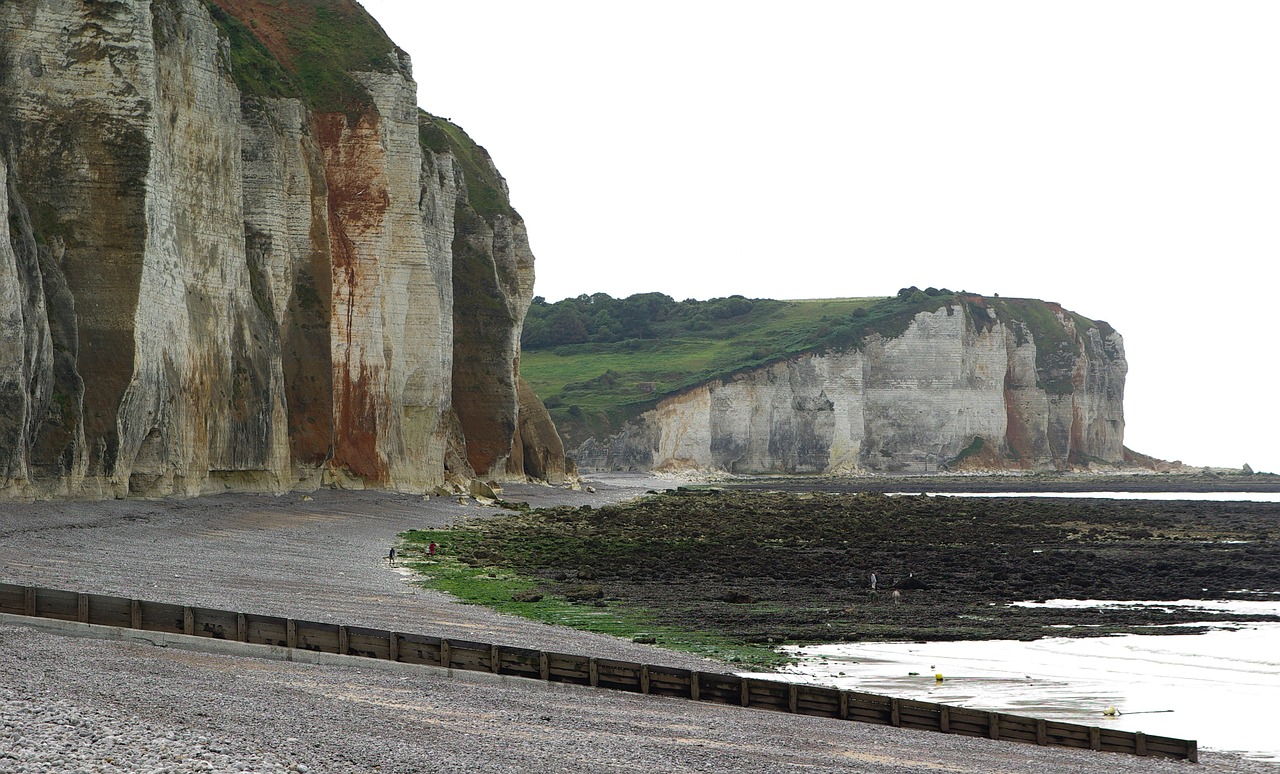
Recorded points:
(763,568)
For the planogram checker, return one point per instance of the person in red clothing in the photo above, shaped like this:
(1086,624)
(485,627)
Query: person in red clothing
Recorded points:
(431,550)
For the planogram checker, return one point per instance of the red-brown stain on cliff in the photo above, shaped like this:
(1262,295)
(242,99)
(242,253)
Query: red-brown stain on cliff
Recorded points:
(358,202)
(1015,433)
(1076,452)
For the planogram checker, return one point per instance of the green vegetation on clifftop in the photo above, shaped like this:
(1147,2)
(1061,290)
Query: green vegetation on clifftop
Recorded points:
(486,192)
(304,48)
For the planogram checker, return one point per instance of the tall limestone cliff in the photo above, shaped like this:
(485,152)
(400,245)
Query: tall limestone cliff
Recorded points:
(237,255)
(978,383)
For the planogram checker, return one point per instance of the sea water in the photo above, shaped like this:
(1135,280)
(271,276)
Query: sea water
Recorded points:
(1251,497)
(1219,688)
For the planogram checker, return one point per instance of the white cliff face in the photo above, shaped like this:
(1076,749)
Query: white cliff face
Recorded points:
(907,404)
(205,290)
(25,346)
(205,397)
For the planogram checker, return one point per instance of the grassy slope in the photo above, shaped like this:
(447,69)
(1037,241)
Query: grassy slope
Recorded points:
(304,48)
(676,359)
(593,389)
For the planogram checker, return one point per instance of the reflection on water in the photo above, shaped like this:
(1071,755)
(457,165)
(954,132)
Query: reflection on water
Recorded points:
(1218,688)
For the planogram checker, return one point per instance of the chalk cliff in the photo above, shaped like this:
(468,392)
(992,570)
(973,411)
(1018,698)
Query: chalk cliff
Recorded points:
(236,255)
(978,383)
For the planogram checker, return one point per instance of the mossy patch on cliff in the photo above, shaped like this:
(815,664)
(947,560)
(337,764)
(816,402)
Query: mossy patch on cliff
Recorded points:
(486,192)
(1057,346)
(256,71)
(292,48)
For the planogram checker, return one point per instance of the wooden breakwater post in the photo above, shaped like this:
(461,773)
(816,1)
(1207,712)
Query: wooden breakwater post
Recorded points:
(603,673)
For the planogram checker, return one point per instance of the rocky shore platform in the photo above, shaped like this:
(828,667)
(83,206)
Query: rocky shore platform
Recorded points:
(798,567)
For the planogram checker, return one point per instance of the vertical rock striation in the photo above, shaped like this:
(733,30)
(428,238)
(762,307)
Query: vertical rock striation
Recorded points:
(234,258)
(992,384)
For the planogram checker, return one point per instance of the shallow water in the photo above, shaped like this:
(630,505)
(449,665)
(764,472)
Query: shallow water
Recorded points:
(1218,688)
(1250,497)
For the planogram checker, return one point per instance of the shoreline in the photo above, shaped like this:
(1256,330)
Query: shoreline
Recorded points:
(1006,482)
(323,556)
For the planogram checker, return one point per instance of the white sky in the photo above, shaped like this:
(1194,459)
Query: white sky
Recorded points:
(1121,158)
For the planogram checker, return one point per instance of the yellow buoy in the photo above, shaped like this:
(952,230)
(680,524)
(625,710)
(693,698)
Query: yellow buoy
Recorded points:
(938,677)
(1110,712)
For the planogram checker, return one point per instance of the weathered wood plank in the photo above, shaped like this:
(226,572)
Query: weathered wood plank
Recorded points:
(12,599)
(1060,730)
(446,654)
(368,643)
(264,630)
(57,604)
(419,649)
(108,611)
(217,624)
(161,617)
(315,636)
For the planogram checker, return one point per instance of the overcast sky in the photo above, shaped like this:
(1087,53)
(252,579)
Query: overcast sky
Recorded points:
(1121,158)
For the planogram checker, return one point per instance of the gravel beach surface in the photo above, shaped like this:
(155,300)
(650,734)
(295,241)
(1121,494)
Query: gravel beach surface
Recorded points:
(72,704)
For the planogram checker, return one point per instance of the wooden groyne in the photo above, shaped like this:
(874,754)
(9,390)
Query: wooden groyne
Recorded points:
(606,673)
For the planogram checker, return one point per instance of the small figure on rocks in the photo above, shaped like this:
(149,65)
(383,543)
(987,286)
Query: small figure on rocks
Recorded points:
(431,549)
(873,581)
(391,555)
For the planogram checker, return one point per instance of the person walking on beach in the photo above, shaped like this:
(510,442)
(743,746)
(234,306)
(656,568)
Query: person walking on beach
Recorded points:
(391,556)
(431,549)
